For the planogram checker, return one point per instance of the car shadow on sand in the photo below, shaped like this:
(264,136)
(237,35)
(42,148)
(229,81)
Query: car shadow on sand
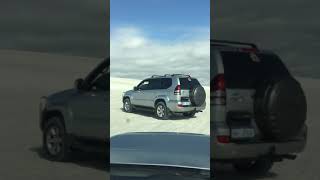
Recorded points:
(149,113)
(226,172)
(92,160)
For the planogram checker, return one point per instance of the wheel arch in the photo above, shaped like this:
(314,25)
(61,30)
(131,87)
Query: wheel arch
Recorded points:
(159,100)
(125,97)
(49,114)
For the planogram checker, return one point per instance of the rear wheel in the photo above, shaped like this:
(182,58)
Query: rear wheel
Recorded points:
(257,167)
(161,111)
(55,144)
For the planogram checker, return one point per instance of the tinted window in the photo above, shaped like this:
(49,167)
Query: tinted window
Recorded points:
(155,83)
(166,83)
(102,82)
(188,83)
(246,70)
(144,85)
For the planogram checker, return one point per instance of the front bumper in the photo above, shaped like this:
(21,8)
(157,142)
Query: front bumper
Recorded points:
(42,110)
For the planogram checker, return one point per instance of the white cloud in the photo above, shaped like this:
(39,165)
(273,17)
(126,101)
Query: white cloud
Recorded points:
(135,55)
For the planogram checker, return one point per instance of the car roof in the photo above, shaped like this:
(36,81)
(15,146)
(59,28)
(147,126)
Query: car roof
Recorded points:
(237,49)
(225,45)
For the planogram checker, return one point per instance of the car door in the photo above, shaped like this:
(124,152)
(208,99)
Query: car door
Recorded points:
(138,97)
(90,109)
(153,90)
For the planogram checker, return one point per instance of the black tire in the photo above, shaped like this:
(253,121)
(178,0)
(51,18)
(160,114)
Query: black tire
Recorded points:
(197,95)
(58,149)
(189,114)
(161,111)
(127,106)
(280,108)
(258,167)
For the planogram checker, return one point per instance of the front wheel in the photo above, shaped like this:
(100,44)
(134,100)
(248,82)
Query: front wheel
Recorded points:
(127,106)
(257,167)
(55,144)
(161,111)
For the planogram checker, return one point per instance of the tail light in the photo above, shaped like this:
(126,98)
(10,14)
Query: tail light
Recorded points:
(218,90)
(177,90)
(223,139)
(219,83)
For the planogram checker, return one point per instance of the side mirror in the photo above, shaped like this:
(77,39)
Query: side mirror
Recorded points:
(135,88)
(78,84)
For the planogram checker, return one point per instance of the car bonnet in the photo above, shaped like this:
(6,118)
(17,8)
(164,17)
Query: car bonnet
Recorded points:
(161,149)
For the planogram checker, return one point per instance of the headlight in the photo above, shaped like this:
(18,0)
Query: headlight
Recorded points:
(43,103)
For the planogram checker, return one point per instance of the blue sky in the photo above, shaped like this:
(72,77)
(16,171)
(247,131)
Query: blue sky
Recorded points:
(172,35)
(161,19)
(159,16)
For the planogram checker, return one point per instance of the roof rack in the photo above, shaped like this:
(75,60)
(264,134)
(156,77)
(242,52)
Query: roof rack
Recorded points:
(223,42)
(177,75)
(169,75)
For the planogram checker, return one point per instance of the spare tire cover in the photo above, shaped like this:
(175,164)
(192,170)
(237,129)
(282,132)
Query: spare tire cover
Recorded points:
(280,108)
(197,95)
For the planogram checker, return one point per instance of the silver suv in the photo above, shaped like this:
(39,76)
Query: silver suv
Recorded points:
(168,94)
(258,109)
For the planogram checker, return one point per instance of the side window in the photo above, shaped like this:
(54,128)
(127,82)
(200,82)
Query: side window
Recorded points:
(101,82)
(166,83)
(155,84)
(144,85)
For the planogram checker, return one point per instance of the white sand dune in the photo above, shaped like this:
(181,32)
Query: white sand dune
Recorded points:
(122,122)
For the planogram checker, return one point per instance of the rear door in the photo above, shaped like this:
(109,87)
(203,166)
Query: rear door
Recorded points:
(186,84)
(241,74)
(244,72)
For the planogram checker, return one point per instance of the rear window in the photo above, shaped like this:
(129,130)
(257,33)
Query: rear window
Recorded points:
(188,83)
(243,70)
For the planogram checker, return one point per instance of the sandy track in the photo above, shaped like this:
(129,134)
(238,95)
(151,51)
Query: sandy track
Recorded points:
(122,122)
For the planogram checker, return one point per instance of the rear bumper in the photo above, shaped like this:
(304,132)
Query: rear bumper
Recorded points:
(235,151)
(173,107)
